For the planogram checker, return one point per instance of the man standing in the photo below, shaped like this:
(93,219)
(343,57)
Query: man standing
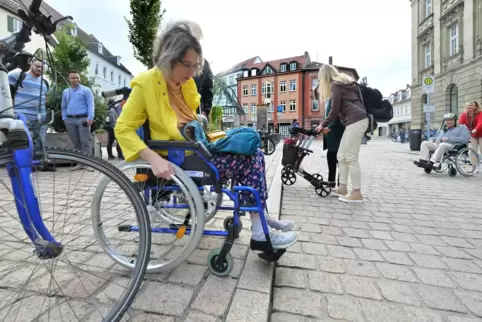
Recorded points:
(29,90)
(204,83)
(78,114)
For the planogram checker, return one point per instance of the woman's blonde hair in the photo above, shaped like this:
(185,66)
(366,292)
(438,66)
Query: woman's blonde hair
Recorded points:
(328,74)
(478,109)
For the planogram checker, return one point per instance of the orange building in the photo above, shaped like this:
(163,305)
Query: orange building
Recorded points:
(286,87)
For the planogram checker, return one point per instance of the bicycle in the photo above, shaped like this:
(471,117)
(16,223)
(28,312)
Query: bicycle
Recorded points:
(267,144)
(46,251)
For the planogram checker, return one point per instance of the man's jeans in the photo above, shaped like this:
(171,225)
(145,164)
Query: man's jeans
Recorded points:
(33,124)
(79,134)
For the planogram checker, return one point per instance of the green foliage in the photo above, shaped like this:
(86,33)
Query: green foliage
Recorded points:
(215,118)
(71,54)
(143,28)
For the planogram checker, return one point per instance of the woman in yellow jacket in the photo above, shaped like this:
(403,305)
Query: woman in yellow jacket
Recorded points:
(167,96)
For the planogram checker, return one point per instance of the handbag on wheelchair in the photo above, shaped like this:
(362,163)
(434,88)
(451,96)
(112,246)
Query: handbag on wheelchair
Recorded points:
(242,141)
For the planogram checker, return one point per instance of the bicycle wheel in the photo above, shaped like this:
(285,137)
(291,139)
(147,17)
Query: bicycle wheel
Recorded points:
(97,288)
(176,211)
(467,162)
(268,147)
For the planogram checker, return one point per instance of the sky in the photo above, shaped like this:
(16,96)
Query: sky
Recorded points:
(372,36)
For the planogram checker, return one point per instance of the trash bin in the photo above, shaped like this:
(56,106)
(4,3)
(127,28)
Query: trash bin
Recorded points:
(415,140)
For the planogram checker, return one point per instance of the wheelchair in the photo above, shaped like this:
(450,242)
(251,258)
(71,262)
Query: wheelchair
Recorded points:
(460,159)
(197,191)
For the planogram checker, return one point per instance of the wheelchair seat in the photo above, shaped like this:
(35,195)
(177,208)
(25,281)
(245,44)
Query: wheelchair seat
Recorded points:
(457,147)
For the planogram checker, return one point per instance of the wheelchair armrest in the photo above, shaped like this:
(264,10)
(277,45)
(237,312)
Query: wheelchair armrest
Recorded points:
(181,145)
(459,146)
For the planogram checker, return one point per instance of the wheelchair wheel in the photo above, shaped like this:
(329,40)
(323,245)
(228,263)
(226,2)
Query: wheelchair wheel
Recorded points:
(452,171)
(288,176)
(467,162)
(174,236)
(268,146)
(227,222)
(224,268)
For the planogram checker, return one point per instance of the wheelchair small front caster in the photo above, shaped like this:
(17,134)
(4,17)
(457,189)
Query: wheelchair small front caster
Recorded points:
(227,222)
(452,171)
(224,267)
(272,257)
(427,170)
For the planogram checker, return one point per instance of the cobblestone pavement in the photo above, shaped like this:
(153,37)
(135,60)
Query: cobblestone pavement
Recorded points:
(411,252)
(187,293)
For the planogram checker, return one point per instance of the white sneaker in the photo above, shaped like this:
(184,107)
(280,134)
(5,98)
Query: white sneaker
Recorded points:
(283,225)
(278,239)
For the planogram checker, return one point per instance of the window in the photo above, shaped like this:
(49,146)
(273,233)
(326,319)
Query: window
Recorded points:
(13,25)
(427,50)
(293,66)
(283,106)
(454,98)
(253,90)
(112,76)
(125,82)
(253,72)
(267,70)
(315,105)
(245,90)
(428,8)
(269,89)
(246,73)
(283,68)
(100,48)
(292,106)
(245,108)
(454,39)
(253,108)
(314,82)
(282,86)
(73,31)
(119,80)
(104,72)
(96,68)
(270,108)
(293,85)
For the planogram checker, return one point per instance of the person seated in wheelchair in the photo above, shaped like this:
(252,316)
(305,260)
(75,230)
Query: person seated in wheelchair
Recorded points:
(166,96)
(451,135)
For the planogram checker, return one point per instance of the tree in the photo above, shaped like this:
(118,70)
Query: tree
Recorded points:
(143,28)
(70,54)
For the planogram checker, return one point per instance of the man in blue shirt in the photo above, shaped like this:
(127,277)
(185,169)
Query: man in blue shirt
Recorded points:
(29,92)
(78,113)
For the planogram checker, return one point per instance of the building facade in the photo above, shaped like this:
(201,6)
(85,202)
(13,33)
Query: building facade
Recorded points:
(446,43)
(286,87)
(402,111)
(105,68)
(226,93)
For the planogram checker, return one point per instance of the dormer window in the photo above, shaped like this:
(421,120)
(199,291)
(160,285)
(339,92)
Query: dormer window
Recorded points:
(283,68)
(253,72)
(293,66)
(246,73)
(100,48)
(118,60)
(268,70)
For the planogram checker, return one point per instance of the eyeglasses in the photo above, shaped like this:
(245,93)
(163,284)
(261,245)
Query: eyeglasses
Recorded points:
(194,68)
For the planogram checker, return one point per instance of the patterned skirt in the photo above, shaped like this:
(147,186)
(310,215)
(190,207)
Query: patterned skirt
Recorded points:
(247,171)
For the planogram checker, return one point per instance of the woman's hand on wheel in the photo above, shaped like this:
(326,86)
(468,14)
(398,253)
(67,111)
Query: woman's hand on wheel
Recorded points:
(161,168)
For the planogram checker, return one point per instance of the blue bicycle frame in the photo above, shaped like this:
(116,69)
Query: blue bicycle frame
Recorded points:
(26,201)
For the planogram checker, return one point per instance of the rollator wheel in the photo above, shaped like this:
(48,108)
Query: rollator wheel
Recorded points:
(323,190)
(228,220)
(318,177)
(288,177)
(224,268)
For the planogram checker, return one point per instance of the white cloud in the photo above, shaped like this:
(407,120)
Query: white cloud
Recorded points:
(372,36)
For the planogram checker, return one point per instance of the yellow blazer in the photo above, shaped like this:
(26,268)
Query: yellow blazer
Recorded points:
(149,100)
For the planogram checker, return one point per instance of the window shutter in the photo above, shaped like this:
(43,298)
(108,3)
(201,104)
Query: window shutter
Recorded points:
(10,24)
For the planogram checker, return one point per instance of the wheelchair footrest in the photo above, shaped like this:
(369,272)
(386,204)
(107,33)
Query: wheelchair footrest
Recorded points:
(268,253)
(272,257)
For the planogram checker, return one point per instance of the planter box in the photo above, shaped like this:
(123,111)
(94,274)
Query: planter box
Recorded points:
(62,140)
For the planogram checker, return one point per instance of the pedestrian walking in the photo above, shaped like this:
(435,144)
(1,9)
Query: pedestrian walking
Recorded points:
(78,114)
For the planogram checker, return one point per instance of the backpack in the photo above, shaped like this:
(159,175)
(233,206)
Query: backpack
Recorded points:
(19,82)
(372,99)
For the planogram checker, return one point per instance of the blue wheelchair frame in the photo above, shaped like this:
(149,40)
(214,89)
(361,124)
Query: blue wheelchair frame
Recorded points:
(176,153)
(25,199)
